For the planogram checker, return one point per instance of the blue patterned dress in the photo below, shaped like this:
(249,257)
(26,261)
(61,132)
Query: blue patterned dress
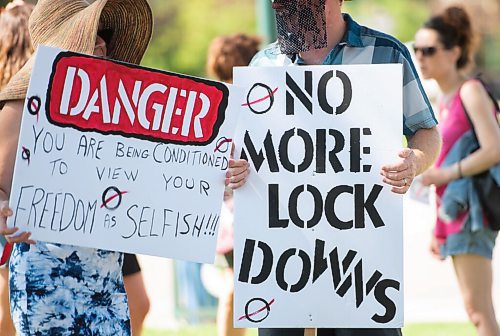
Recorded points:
(61,290)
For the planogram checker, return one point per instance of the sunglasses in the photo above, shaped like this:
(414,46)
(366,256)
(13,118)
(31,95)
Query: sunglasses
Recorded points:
(426,51)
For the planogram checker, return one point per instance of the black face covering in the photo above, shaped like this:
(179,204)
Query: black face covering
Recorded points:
(301,25)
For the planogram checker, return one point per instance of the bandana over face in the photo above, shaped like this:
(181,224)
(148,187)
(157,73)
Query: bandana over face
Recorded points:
(301,25)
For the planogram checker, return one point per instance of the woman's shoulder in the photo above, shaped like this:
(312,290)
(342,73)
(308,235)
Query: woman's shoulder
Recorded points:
(475,97)
(472,87)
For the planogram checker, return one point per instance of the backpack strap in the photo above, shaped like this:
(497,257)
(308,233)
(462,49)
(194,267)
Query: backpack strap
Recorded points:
(492,97)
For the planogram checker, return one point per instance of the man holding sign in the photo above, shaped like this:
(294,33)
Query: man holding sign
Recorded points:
(59,288)
(315,32)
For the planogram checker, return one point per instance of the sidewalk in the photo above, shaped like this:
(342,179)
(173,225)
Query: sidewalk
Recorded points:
(431,291)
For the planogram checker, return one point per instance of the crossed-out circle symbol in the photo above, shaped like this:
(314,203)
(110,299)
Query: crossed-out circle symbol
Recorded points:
(261,109)
(33,105)
(223,145)
(266,306)
(107,197)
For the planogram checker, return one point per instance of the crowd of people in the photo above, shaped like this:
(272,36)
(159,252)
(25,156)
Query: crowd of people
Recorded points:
(464,143)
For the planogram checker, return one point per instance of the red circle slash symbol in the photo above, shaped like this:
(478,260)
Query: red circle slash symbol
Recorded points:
(249,316)
(220,143)
(26,154)
(260,98)
(34,103)
(110,194)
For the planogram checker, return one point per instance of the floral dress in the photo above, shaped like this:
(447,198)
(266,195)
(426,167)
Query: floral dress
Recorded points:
(63,290)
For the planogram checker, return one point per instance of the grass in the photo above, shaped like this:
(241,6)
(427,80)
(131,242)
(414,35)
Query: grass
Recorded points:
(421,329)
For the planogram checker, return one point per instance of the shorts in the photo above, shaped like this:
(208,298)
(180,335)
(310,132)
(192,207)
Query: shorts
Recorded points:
(479,242)
(331,332)
(130,264)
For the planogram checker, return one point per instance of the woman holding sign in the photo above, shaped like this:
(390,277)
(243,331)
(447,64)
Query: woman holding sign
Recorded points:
(445,47)
(56,288)
(59,288)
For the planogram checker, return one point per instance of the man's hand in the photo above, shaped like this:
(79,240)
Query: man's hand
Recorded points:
(5,212)
(400,175)
(238,171)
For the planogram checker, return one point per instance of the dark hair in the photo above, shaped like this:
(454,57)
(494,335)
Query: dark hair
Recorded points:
(455,29)
(225,52)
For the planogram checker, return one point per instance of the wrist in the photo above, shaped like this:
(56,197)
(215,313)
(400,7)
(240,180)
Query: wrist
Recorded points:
(459,169)
(450,174)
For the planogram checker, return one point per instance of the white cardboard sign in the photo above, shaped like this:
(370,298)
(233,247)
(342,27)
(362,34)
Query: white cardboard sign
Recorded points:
(318,235)
(121,157)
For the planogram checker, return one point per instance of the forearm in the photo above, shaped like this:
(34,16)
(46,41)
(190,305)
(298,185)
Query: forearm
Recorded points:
(426,144)
(474,163)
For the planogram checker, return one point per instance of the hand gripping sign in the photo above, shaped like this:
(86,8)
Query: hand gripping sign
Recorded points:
(121,157)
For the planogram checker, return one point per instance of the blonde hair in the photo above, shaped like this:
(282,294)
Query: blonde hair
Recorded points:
(225,52)
(15,42)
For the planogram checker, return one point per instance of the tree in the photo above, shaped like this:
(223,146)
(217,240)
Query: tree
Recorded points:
(184,29)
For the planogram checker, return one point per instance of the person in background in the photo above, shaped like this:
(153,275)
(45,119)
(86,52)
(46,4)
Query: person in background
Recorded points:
(15,50)
(316,32)
(445,47)
(224,53)
(138,300)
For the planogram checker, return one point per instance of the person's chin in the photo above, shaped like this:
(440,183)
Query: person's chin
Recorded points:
(424,73)
(99,53)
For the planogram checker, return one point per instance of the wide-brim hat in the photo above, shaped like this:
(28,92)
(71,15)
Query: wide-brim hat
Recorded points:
(73,25)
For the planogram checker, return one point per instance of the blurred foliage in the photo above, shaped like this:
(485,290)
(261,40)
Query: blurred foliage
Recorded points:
(398,18)
(184,29)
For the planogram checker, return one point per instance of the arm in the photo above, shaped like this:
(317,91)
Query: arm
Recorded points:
(10,122)
(480,110)
(424,147)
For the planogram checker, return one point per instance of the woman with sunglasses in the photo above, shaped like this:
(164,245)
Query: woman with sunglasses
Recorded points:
(444,48)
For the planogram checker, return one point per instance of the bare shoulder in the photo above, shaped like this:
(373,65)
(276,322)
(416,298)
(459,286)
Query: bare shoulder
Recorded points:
(10,118)
(473,90)
(475,98)
(12,109)
(13,106)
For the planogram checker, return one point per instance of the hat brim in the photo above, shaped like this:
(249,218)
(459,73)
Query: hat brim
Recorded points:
(130,20)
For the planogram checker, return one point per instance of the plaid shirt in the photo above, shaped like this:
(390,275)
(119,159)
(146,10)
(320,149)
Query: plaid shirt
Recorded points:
(362,45)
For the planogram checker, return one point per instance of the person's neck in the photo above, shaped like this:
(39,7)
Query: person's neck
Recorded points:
(335,28)
(450,84)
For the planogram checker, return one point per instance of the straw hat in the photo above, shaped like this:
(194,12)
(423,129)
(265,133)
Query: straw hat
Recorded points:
(73,25)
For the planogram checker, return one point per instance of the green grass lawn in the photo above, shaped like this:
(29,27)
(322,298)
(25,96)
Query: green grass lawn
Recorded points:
(424,329)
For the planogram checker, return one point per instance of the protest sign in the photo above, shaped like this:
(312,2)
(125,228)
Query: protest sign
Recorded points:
(318,235)
(121,157)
